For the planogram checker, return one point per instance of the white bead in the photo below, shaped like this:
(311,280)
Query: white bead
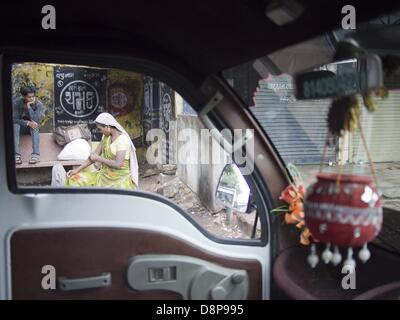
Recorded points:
(327,254)
(364,254)
(312,258)
(336,257)
(350,261)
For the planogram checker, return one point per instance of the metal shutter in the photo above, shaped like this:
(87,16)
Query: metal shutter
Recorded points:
(297,128)
(381,129)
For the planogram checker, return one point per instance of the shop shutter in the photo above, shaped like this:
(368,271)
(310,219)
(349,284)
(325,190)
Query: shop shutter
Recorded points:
(297,128)
(382,131)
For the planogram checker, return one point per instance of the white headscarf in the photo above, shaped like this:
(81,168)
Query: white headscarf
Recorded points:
(108,120)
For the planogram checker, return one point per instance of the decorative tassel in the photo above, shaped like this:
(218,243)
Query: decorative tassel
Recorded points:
(364,254)
(312,258)
(336,257)
(327,254)
(350,261)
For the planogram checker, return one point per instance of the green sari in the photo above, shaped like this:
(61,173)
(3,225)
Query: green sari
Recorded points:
(106,176)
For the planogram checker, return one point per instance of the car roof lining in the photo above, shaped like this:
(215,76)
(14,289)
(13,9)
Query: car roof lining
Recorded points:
(204,36)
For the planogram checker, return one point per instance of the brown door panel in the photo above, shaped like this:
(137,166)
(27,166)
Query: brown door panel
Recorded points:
(88,252)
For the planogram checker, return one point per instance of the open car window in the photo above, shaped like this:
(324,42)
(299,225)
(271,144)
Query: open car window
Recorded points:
(77,126)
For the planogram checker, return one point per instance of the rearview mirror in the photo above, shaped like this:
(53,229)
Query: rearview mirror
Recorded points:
(340,78)
(233,191)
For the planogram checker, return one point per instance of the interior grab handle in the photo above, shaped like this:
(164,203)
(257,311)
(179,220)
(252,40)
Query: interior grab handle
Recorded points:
(68,284)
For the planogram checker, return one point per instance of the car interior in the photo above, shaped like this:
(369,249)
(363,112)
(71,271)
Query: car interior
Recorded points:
(221,57)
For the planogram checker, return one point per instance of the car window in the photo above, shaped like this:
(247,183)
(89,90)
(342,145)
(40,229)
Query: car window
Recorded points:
(81,127)
(298,128)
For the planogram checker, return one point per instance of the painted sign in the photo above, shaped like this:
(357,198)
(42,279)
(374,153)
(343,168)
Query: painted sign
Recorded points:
(158,110)
(79,96)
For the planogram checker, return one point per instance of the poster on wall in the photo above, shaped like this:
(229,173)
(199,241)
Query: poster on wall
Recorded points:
(158,112)
(166,103)
(79,96)
(124,97)
(150,117)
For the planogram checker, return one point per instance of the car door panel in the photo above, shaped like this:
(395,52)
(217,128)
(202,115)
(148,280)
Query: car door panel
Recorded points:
(85,252)
(88,235)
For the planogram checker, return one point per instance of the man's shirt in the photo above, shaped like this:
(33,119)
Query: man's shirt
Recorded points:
(22,114)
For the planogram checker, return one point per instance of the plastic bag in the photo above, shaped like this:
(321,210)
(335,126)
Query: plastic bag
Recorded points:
(78,149)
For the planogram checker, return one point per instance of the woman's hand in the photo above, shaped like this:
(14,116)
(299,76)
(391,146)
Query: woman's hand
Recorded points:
(70,173)
(95,157)
(32,124)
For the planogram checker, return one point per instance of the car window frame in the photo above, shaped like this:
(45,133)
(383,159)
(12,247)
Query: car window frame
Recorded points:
(191,94)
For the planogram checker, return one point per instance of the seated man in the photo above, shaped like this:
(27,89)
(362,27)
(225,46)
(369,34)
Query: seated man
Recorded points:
(27,114)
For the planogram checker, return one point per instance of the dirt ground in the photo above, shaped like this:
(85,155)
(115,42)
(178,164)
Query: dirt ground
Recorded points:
(165,181)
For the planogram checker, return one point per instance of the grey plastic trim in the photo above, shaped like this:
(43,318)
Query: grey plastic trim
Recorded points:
(192,278)
(226,145)
(66,284)
(203,115)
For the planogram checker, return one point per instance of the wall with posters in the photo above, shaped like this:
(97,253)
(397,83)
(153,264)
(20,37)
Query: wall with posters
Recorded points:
(77,94)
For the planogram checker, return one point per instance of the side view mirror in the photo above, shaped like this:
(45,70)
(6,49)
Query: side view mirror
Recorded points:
(339,78)
(233,191)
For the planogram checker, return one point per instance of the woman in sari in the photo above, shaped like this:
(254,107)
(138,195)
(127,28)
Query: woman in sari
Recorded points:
(117,156)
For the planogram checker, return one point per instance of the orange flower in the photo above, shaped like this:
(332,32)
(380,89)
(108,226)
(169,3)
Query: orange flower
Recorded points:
(289,193)
(305,237)
(292,192)
(301,190)
(296,205)
(291,218)
(301,224)
(293,195)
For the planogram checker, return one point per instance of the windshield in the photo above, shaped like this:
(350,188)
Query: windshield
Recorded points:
(298,128)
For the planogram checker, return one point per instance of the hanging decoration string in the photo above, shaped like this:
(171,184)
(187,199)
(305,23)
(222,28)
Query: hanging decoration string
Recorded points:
(321,164)
(371,163)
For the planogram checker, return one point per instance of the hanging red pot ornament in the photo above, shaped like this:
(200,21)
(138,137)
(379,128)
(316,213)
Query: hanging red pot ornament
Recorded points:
(345,210)
(342,210)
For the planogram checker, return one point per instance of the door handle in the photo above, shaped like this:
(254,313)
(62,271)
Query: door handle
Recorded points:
(68,284)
